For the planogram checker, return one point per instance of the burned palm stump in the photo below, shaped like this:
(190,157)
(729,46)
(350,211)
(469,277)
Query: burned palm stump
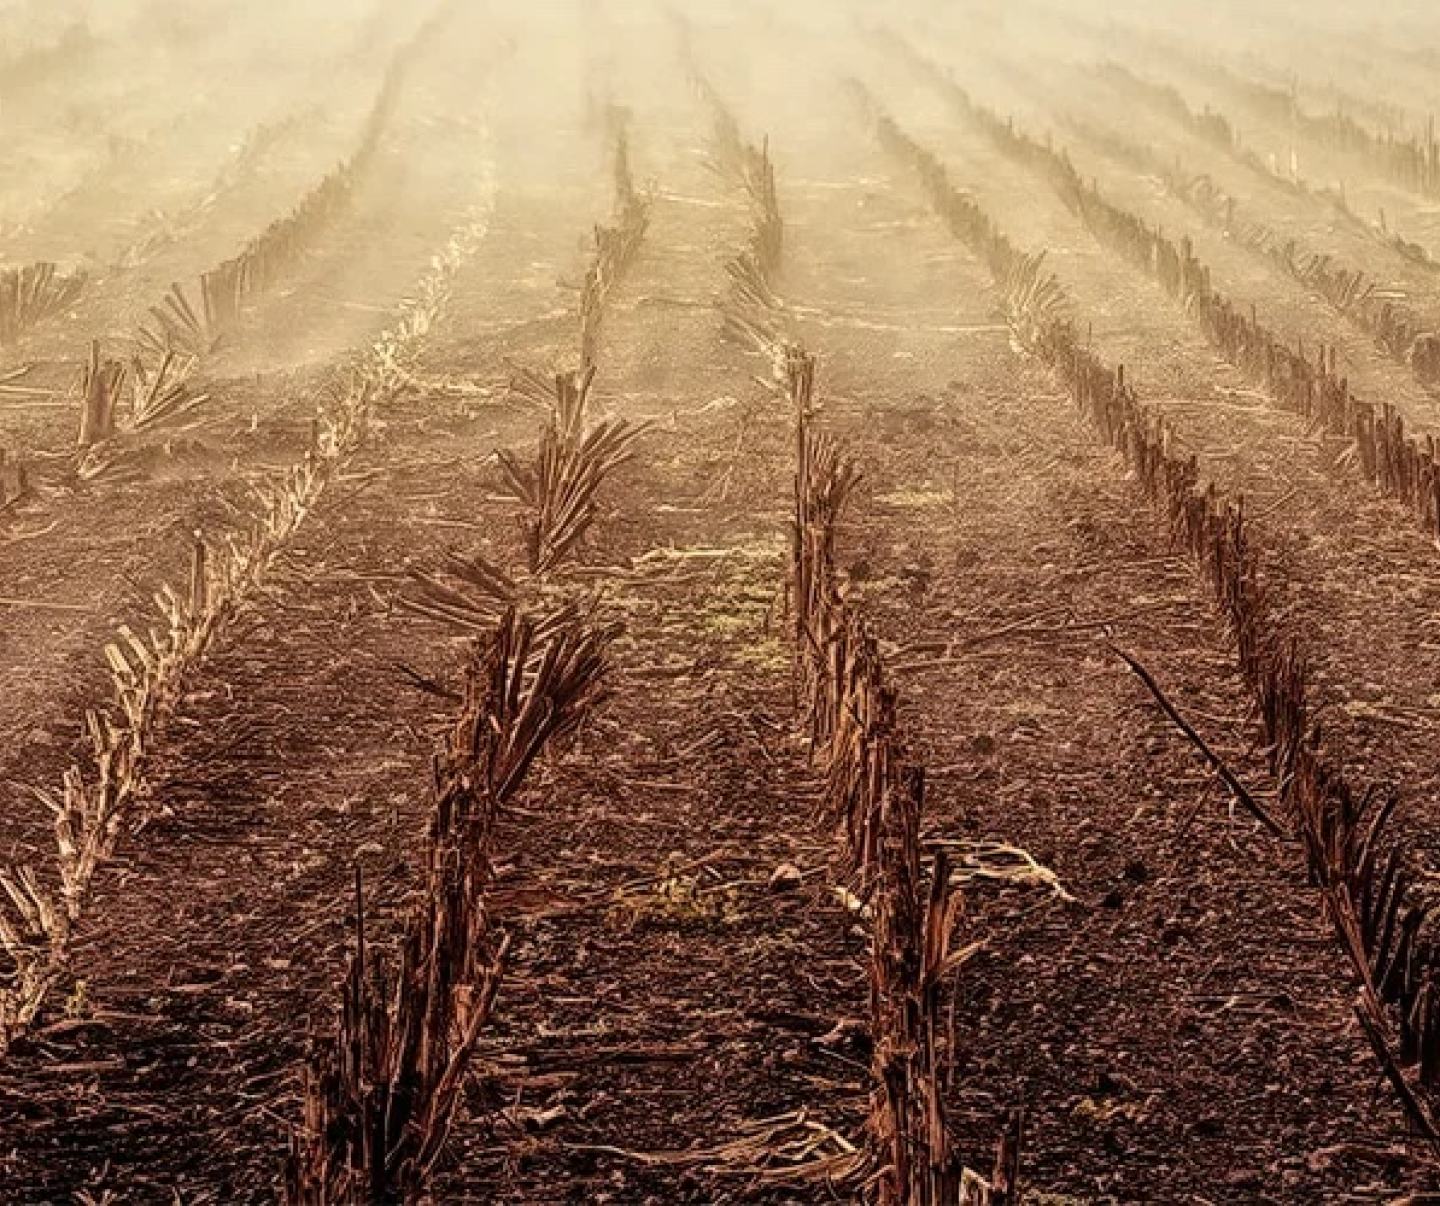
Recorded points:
(100,385)
(382,1093)
(119,402)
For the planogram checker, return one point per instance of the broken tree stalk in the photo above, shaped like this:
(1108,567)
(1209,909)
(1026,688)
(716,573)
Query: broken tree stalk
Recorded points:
(1217,764)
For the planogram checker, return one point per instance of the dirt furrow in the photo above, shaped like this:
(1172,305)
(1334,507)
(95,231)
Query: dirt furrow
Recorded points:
(664,989)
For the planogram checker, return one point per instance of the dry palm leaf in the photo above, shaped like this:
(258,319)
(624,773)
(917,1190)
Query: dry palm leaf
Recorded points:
(178,325)
(31,294)
(573,461)
(162,397)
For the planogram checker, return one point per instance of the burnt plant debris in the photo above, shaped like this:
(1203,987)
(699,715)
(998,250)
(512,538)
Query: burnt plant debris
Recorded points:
(1342,827)
(583,625)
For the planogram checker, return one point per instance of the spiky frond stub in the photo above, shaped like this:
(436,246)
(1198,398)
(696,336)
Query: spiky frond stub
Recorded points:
(382,1093)
(32,294)
(561,486)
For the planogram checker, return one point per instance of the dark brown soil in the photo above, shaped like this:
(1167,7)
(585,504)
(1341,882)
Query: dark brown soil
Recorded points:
(1165,999)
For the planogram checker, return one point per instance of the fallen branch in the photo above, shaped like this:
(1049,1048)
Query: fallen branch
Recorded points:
(1217,764)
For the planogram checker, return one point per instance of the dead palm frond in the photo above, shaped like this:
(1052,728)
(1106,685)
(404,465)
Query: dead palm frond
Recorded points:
(571,403)
(754,329)
(616,244)
(749,283)
(161,397)
(750,313)
(474,594)
(1033,297)
(727,151)
(615,249)
(178,326)
(532,682)
(769,232)
(560,487)
(533,386)
(31,294)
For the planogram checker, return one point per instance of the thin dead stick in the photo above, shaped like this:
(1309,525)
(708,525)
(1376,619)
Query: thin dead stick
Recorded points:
(1217,763)
(426,684)
(44,605)
(1021,625)
(1021,628)
(1017,626)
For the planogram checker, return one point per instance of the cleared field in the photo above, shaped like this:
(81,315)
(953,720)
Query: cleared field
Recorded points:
(631,602)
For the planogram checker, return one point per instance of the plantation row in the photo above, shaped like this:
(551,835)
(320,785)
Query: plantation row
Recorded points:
(381,1096)
(695,904)
(1400,465)
(331,1156)
(102,801)
(874,789)
(1364,881)
(1411,161)
(158,386)
(1397,328)
(1217,131)
(1362,126)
